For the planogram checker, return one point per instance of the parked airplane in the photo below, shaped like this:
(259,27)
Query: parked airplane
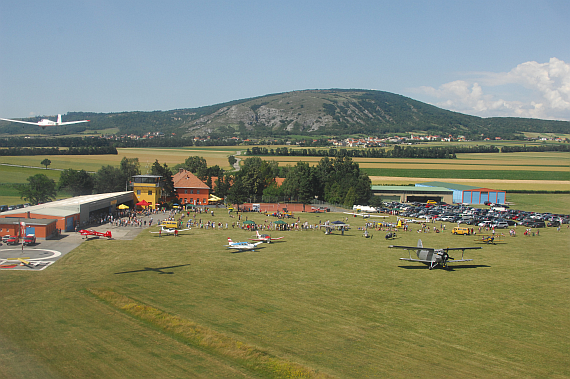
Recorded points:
(265,237)
(173,231)
(364,215)
(433,257)
(489,238)
(43,123)
(242,245)
(94,233)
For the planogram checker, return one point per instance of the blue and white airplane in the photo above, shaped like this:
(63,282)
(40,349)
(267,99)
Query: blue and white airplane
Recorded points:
(242,246)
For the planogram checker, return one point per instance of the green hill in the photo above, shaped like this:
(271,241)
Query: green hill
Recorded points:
(309,112)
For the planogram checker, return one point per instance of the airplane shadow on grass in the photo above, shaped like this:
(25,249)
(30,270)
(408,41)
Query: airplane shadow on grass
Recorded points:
(449,268)
(153,269)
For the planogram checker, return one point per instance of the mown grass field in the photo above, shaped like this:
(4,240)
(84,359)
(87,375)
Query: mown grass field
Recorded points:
(341,306)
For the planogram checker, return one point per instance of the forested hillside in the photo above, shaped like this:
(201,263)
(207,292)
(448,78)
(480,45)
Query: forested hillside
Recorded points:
(310,112)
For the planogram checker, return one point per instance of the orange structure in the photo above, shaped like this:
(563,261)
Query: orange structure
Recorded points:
(189,189)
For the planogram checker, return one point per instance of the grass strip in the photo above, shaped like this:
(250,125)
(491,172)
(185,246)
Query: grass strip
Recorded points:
(253,358)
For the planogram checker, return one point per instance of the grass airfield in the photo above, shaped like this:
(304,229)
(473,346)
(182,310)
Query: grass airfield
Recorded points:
(311,306)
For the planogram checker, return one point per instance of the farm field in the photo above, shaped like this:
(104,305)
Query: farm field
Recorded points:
(328,306)
(514,171)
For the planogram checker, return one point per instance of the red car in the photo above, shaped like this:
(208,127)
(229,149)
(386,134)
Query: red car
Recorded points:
(30,239)
(13,240)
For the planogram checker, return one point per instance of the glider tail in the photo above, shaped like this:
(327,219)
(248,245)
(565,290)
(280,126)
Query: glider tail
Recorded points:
(59,119)
(420,244)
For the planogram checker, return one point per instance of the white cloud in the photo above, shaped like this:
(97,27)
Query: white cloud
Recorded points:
(548,83)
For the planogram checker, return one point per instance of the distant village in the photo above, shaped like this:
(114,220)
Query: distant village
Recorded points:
(346,142)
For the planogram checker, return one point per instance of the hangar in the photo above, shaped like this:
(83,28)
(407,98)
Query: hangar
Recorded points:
(74,211)
(408,194)
(469,194)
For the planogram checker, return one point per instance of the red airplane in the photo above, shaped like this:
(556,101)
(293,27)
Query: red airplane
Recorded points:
(265,237)
(93,233)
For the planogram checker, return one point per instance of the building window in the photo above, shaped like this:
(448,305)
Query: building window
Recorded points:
(197,191)
(191,191)
(185,191)
(150,193)
(138,192)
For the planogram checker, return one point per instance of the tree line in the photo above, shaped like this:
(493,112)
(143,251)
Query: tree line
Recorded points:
(335,180)
(539,148)
(437,152)
(83,150)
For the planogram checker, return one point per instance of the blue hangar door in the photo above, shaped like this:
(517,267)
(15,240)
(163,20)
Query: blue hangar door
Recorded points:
(69,224)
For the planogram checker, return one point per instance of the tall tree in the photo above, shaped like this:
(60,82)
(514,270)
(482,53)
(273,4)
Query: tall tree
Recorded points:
(77,182)
(129,167)
(222,185)
(39,189)
(301,183)
(46,162)
(337,176)
(196,165)
(166,180)
(237,194)
(109,179)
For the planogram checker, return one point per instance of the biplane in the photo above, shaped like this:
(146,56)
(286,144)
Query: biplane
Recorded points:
(490,239)
(433,257)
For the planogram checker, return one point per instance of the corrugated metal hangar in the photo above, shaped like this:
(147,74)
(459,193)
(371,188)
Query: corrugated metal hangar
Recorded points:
(68,212)
(408,194)
(469,194)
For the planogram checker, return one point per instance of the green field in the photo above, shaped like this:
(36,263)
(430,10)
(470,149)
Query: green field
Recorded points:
(450,173)
(343,306)
(539,202)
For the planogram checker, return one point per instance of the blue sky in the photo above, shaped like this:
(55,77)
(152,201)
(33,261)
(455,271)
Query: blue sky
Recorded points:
(487,58)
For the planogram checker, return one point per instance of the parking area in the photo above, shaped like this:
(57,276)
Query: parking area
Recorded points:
(44,253)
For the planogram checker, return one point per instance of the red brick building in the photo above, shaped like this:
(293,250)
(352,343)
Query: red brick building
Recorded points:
(189,189)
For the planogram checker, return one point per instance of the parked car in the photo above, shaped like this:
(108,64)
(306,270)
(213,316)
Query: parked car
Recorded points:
(13,240)
(30,239)
(500,225)
(5,238)
(461,231)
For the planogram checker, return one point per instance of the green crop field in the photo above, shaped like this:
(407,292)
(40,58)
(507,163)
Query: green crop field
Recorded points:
(314,305)
(470,174)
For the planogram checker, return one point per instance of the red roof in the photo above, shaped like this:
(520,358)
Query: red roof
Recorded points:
(185,179)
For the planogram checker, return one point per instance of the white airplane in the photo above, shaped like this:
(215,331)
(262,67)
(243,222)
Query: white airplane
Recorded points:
(364,215)
(242,245)
(43,123)
(173,231)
